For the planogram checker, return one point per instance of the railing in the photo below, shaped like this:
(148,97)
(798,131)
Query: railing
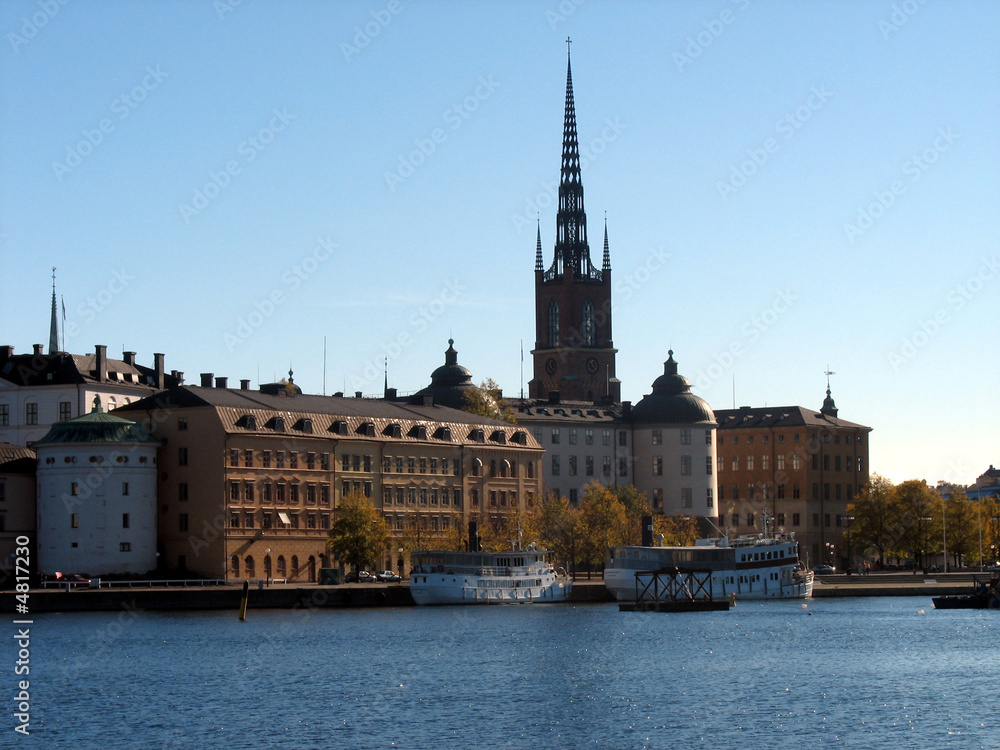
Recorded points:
(182,582)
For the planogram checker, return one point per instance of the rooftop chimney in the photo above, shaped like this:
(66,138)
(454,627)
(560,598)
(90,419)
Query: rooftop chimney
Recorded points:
(101,363)
(245,384)
(129,358)
(553,397)
(39,349)
(206,379)
(221,382)
(158,380)
(6,352)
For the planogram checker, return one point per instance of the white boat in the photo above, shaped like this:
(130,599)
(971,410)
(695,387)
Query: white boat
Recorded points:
(760,566)
(508,577)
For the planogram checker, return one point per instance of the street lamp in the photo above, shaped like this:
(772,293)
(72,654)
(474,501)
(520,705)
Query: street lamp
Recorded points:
(848,519)
(923,543)
(944,534)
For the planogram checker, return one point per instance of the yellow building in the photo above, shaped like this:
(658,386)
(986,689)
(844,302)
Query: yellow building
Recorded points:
(250,480)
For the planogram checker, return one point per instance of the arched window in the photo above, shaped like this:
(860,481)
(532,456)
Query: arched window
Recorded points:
(477,467)
(312,569)
(295,566)
(282,570)
(236,566)
(553,324)
(248,565)
(531,469)
(589,330)
(493,468)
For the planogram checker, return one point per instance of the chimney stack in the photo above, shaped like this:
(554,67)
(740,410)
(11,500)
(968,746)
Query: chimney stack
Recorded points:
(158,379)
(221,382)
(39,350)
(245,384)
(206,379)
(129,358)
(101,363)
(6,352)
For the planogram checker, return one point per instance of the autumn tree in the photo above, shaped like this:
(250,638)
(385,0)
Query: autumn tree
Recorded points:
(487,400)
(875,526)
(918,520)
(359,534)
(554,523)
(962,527)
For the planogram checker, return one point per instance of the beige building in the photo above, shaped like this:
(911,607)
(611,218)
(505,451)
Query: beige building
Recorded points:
(250,480)
(17,509)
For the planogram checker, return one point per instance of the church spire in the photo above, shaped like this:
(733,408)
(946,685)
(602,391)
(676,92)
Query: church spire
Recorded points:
(538,245)
(829,407)
(54,323)
(607,253)
(572,251)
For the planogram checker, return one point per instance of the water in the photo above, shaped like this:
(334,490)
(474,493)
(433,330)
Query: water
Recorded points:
(866,673)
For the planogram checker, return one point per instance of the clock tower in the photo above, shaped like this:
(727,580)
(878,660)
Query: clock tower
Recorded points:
(573,353)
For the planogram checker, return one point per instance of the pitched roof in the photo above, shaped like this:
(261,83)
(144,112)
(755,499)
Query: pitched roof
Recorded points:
(12,455)
(70,369)
(96,427)
(779,416)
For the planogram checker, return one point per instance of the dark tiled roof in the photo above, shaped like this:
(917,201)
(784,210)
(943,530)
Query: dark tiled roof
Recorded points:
(69,369)
(14,456)
(779,416)
(541,410)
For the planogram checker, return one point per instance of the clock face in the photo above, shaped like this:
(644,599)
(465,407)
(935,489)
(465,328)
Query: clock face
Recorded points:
(550,367)
(592,365)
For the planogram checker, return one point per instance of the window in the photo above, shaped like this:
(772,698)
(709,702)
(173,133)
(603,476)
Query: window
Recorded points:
(573,496)
(750,518)
(781,490)
(411,465)
(749,439)
(685,466)
(124,489)
(248,458)
(657,466)
(324,461)
(588,437)
(555,436)
(657,498)
(589,335)
(572,466)
(736,519)
(685,437)
(293,497)
(423,466)
(234,457)
(709,500)
(657,437)
(686,500)
(736,492)
(605,469)
(826,462)
(182,522)
(4,415)
(74,520)
(125,547)
(293,459)
(345,462)
(182,456)
(280,459)
(765,462)
(434,466)
(234,520)
(708,465)
(861,463)
(590,466)
(248,492)
(265,459)
(182,423)
(796,462)
(572,436)
(125,521)
(324,494)
(249,520)
(605,437)
(736,463)
(708,437)
(311,493)
(310,460)
(781,461)
(622,466)
(555,466)
(553,324)
(266,521)
(796,492)
(622,438)
(368,463)
(64,410)
(368,488)
(31,413)
(74,488)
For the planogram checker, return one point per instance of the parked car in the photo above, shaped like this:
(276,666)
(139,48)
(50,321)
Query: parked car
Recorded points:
(824,569)
(361,576)
(73,578)
(387,576)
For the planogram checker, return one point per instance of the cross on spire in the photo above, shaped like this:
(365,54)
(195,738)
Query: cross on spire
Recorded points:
(828,372)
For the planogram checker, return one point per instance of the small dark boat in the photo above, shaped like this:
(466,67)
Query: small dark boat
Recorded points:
(984,596)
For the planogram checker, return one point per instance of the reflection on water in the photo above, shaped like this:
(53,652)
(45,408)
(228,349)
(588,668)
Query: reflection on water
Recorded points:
(835,673)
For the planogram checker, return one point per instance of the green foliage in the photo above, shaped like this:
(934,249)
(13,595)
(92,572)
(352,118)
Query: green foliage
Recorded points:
(487,401)
(359,534)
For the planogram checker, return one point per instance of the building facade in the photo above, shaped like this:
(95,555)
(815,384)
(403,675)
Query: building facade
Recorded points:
(17,509)
(803,466)
(250,481)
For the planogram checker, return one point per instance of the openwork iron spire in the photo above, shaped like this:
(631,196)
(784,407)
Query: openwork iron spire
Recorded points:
(538,245)
(607,253)
(572,253)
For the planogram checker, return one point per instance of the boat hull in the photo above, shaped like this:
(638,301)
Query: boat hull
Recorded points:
(621,585)
(436,588)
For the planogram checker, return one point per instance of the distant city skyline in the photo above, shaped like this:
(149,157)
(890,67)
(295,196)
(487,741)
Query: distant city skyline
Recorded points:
(790,189)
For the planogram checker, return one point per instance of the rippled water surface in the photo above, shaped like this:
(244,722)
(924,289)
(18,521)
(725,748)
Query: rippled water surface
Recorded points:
(838,673)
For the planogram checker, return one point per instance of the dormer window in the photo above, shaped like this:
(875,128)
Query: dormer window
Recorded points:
(499,436)
(393,430)
(477,436)
(442,433)
(339,427)
(367,429)
(418,431)
(304,425)
(277,424)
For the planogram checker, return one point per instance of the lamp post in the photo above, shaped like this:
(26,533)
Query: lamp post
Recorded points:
(944,534)
(829,550)
(923,543)
(848,519)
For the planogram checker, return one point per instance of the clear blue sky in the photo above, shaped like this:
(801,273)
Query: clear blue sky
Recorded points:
(788,186)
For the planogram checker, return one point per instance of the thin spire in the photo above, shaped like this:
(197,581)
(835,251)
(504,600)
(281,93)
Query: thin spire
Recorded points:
(538,244)
(607,253)
(829,406)
(54,322)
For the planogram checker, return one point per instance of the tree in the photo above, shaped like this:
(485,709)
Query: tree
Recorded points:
(554,524)
(359,534)
(875,518)
(962,527)
(918,510)
(603,523)
(487,401)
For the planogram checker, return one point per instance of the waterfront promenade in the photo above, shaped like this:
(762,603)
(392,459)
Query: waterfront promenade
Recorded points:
(310,596)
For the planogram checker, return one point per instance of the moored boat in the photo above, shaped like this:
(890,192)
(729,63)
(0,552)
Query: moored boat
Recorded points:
(985,595)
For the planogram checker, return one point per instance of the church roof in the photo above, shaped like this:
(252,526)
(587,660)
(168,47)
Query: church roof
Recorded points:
(450,383)
(671,401)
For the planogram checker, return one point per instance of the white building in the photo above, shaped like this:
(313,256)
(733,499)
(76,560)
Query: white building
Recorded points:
(97,496)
